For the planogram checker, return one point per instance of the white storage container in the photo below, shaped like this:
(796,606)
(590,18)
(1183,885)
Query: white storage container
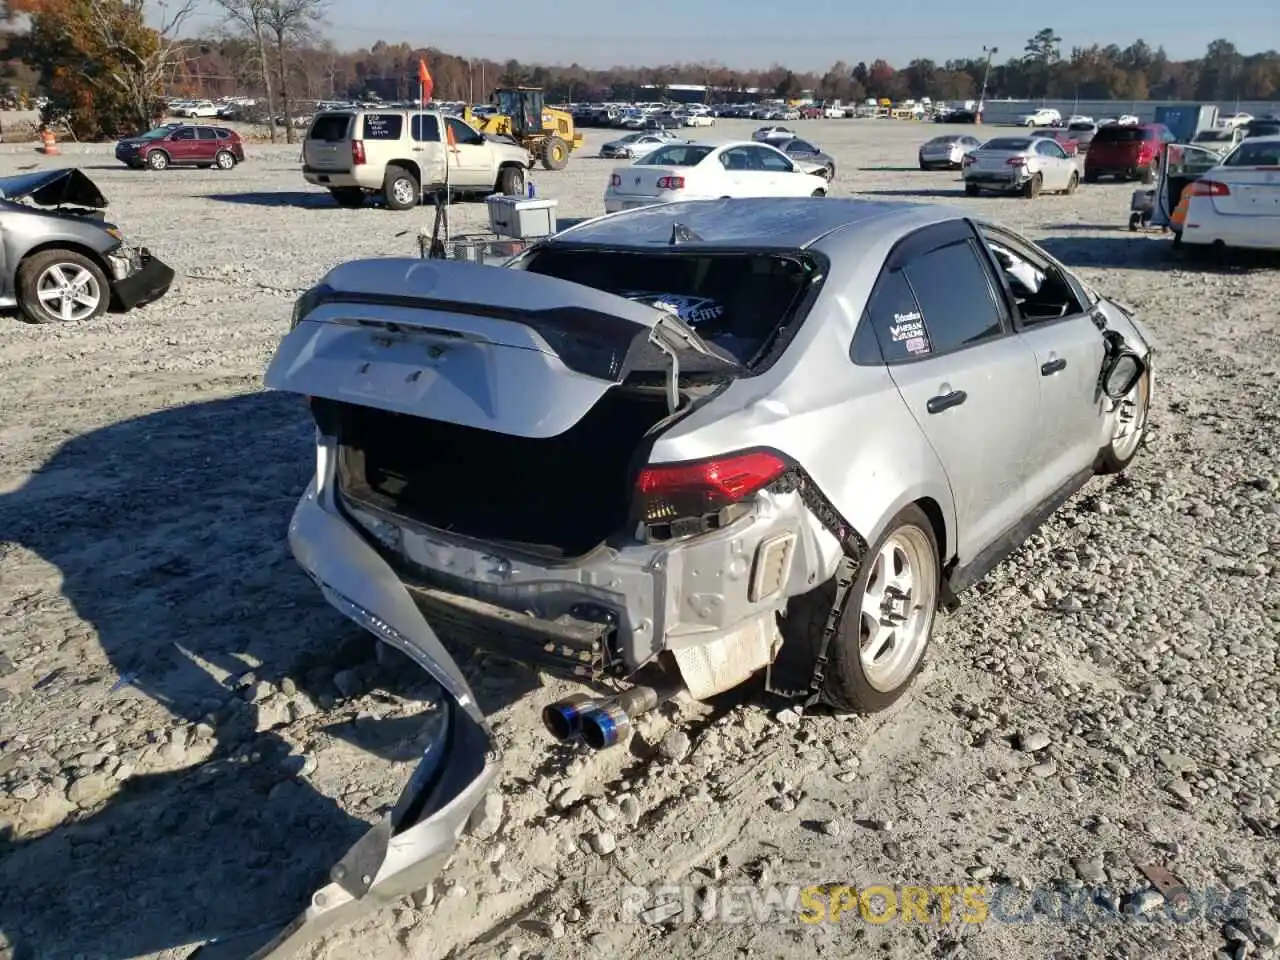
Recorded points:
(521,218)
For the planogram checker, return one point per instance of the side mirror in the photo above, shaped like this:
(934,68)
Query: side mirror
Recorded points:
(1121,374)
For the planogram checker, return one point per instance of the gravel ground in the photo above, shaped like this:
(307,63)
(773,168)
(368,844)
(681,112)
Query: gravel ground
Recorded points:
(189,736)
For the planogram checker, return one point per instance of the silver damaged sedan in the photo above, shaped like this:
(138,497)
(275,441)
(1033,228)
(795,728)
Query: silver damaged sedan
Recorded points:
(671,448)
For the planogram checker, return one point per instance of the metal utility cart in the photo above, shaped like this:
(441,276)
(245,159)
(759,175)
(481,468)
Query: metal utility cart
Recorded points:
(514,222)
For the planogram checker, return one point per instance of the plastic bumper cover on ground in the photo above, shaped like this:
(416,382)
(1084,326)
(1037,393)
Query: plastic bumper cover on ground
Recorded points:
(148,283)
(408,849)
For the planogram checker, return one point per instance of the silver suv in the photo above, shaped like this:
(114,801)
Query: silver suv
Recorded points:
(676,446)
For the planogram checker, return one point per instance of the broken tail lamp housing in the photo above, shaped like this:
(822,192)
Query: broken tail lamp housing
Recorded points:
(691,497)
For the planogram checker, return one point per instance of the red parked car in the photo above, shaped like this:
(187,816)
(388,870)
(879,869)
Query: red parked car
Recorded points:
(1126,152)
(1061,137)
(184,145)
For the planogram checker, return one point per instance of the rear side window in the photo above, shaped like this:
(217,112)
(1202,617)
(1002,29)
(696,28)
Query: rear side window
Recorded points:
(897,321)
(383,126)
(676,155)
(206,133)
(954,292)
(425,126)
(330,127)
(223,133)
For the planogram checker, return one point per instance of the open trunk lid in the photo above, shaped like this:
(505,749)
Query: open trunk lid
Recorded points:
(487,347)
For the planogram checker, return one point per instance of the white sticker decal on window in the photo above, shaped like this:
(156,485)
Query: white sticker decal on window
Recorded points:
(907,326)
(917,345)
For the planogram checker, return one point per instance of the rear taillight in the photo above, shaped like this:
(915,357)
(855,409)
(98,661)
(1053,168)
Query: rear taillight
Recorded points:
(671,183)
(968,161)
(691,497)
(357,152)
(1017,161)
(1209,188)
(615,180)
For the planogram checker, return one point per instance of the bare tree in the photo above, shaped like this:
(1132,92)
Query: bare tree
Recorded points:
(143,61)
(250,17)
(290,23)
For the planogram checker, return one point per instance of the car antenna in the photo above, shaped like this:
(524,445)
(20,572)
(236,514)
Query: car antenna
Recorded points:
(682,234)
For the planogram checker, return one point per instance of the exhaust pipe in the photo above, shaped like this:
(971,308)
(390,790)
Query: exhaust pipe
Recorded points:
(563,719)
(608,723)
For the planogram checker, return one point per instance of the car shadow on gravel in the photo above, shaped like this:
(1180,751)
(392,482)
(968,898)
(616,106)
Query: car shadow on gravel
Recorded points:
(301,199)
(924,192)
(1140,251)
(169,534)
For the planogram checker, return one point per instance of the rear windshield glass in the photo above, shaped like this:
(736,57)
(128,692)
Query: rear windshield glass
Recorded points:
(944,140)
(1252,153)
(1262,128)
(676,155)
(1123,135)
(736,302)
(1080,126)
(330,127)
(1007,143)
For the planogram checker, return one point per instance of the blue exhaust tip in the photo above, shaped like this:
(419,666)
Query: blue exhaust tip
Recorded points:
(604,726)
(563,719)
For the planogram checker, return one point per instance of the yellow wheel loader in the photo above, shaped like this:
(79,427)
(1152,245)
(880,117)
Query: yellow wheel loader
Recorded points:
(523,115)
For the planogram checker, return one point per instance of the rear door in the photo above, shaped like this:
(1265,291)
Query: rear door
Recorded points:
(1056,322)
(206,144)
(328,143)
(774,175)
(969,382)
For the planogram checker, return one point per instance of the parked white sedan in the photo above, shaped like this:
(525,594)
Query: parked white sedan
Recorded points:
(1237,203)
(708,171)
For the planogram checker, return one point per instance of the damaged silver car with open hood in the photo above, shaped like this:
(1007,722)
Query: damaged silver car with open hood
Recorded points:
(669,449)
(62,260)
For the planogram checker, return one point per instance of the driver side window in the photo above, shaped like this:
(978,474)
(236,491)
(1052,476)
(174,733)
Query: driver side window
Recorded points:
(461,132)
(770,161)
(1040,291)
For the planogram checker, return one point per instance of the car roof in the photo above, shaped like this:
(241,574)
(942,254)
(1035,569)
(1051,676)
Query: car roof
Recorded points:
(756,223)
(1266,138)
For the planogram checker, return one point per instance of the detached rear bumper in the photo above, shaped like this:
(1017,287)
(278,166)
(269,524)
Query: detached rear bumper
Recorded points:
(408,849)
(148,283)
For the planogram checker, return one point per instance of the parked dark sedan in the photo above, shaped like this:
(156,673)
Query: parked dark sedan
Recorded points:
(809,155)
(663,121)
(184,145)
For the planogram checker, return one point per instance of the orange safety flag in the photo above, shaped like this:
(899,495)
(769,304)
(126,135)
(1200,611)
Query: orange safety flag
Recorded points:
(424,78)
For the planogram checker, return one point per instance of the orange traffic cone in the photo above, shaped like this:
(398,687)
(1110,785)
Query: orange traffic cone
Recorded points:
(49,143)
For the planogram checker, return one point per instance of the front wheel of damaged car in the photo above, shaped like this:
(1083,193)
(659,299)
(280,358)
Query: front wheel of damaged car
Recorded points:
(888,618)
(61,286)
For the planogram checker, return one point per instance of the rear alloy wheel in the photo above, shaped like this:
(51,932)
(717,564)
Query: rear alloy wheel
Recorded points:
(158,160)
(888,617)
(1031,189)
(61,286)
(1130,427)
(1072,183)
(400,189)
(511,181)
(225,160)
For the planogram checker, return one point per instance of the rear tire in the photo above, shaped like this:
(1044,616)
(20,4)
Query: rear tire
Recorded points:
(511,181)
(1090,177)
(1031,189)
(351,198)
(971,190)
(400,189)
(818,193)
(225,160)
(905,558)
(1072,184)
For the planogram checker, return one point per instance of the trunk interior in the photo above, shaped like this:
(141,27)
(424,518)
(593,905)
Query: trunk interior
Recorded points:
(559,497)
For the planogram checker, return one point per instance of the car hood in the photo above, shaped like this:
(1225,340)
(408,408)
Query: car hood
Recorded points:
(53,188)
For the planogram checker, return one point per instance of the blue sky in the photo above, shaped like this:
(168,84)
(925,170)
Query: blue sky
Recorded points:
(756,33)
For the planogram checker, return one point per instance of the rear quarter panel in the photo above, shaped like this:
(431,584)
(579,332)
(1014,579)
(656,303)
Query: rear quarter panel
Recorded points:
(845,424)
